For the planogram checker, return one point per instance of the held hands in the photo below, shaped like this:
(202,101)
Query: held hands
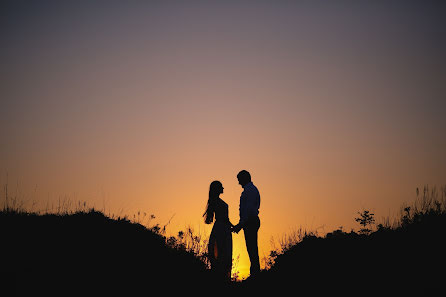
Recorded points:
(236,228)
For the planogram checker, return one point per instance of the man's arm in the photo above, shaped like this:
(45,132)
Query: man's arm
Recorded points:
(242,213)
(244,200)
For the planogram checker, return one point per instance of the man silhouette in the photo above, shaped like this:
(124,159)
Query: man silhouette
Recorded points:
(249,219)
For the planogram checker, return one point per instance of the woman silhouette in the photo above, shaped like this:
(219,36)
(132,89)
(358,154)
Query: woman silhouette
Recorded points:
(220,240)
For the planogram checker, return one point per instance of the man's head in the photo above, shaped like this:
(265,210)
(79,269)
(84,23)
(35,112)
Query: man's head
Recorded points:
(244,178)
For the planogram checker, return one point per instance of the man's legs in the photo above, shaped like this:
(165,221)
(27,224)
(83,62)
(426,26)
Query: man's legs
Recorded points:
(251,231)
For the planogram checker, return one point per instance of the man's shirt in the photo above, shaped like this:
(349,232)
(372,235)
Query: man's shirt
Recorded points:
(249,203)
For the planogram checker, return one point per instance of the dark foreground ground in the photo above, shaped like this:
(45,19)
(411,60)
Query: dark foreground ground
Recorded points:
(87,253)
(90,254)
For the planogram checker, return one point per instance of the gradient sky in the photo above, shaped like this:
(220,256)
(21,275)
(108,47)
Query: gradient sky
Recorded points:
(333,107)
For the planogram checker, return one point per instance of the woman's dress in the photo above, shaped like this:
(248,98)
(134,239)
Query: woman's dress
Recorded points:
(220,242)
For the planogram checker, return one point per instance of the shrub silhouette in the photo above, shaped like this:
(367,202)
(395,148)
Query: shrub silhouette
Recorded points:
(365,219)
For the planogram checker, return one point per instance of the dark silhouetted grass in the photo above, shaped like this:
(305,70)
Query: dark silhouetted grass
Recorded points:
(89,253)
(406,257)
(84,252)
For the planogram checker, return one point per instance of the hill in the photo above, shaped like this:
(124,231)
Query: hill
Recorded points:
(90,254)
(405,259)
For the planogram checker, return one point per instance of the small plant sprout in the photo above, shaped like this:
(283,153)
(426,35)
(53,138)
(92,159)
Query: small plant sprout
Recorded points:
(366,220)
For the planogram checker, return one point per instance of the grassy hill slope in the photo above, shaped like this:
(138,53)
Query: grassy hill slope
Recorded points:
(89,253)
(408,258)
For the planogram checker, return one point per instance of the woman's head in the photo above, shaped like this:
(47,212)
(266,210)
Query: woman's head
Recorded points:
(215,189)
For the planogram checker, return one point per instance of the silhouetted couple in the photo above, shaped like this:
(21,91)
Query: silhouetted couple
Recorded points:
(220,240)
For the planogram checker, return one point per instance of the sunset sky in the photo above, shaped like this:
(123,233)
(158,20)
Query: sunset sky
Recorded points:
(333,106)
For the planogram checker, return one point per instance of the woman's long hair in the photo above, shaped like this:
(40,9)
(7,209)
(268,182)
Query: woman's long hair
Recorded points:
(214,191)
